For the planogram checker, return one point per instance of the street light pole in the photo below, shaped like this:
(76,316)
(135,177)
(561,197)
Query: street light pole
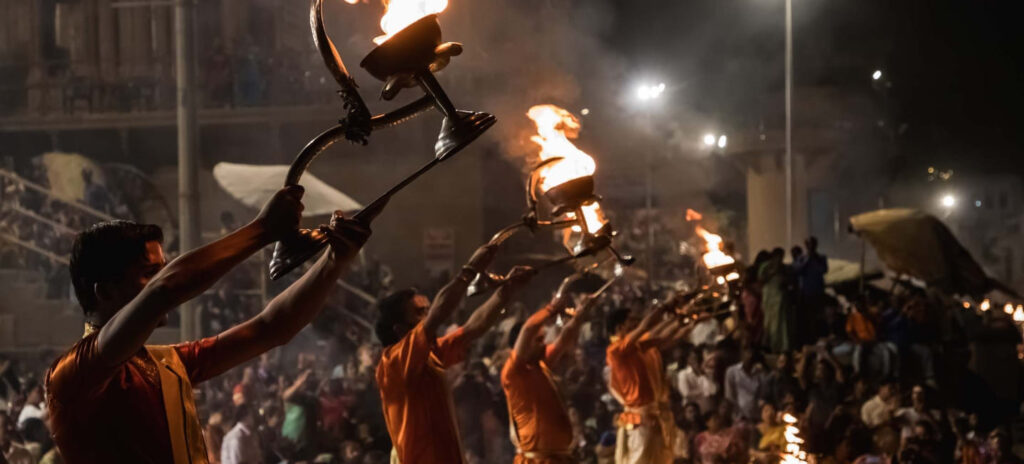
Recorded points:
(789,122)
(188,174)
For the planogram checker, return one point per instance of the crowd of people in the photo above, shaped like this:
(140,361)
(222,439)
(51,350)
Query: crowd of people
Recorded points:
(900,376)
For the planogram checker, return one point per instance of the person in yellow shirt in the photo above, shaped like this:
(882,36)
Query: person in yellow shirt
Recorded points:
(415,396)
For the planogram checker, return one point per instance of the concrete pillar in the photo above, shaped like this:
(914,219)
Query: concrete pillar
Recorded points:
(766,197)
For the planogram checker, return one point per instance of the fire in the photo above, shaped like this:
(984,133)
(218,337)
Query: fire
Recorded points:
(985,305)
(692,215)
(555,128)
(793,453)
(398,14)
(1018,315)
(1008,308)
(715,257)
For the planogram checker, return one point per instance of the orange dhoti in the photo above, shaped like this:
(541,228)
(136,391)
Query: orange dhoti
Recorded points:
(646,426)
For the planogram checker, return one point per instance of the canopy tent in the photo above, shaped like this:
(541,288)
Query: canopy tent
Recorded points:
(917,244)
(253,185)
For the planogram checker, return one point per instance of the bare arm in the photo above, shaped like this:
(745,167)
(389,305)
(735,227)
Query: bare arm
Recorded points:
(192,274)
(570,334)
(650,320)
(485,316)
(290,392)
(532,326)
(448,299)
(296,306)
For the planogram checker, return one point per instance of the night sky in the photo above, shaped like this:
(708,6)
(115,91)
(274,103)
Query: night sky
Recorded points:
(955,67)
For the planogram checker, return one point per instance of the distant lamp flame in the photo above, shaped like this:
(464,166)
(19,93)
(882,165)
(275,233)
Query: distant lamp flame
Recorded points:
(1008,308)
(398,14)
(967,305)
(692,215)
(556,127)
(714,257)
(1018,314)
(985,305)
(732,276)
(351,2)
(793,453)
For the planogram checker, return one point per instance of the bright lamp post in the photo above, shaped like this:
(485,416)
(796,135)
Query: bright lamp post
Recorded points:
(646,94)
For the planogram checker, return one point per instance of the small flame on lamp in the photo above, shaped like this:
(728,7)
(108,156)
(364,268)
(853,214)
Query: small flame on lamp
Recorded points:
(967,305)
(692,215)
(399,14)
(1008,308)
(732,276)
(593,218)
(1018,315)
(556,127)
(985,305)
(793,453)
(715,257)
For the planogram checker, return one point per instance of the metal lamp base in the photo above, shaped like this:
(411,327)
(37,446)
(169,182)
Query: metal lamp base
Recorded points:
(290,253)
(458,132)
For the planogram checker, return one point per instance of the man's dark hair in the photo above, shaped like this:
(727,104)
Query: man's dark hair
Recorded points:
(615,319)
(391,311)
(513,334)
(242,412)
(104,252)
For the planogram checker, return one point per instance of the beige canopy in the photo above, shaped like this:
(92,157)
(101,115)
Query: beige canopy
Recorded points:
(253,185)
(917,244)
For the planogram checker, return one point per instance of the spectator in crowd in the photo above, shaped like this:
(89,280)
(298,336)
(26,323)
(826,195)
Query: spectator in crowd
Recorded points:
(743,381)
(779,317)
(918,412)
(880,408)
(35,407)
(242,445)
(781,385)
(810,269)
(695,384)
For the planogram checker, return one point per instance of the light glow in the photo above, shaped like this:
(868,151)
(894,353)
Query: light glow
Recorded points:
(948,201)
(709,140)
(714,257)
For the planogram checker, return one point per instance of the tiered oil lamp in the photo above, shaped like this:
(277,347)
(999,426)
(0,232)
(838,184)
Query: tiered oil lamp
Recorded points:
(573,205)
(407,59)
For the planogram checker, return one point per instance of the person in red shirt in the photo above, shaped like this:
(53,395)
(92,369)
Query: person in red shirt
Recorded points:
(113,399)
(646,426)
(542,432)
(416,399)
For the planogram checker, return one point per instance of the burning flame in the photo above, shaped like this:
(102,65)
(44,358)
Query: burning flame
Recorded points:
(985,305)
(1018,315)
(593,218)
(399,14)
(715,257)
(555,128)
(692,215)
(1008,309)
(794,454)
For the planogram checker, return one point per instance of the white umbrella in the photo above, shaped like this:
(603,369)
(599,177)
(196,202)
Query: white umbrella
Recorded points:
(253,185)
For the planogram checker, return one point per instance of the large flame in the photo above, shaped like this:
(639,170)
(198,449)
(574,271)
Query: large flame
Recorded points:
(555,128)
(715,257)
(398,14)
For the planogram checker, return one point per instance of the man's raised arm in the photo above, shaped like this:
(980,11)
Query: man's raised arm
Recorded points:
(193,273)
(570,334)
(297,305)
(487,314)
(448,299)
